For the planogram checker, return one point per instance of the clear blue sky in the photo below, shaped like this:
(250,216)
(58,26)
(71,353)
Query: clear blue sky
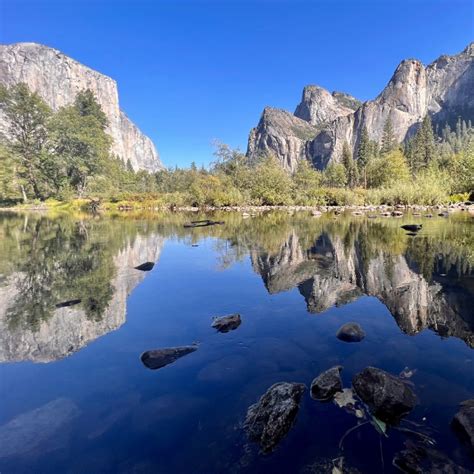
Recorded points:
(193,71)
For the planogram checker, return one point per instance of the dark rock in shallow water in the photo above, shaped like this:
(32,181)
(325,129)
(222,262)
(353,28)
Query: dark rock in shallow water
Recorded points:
(327,384)
(463,421)
(419,458)
(386,395)
(157,358)
(65,304)
(350,332)
(203,223)
(269,420)
(145,267)
(412,227)
(227,323)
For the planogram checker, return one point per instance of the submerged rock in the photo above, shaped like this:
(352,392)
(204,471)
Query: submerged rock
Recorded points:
(350,332)
(386,395)
(68,303)
(412,227)
(463,421)
(419,458)
(158,358)
(268,421)
(202,223)
(38,429)
(327,384)
(227,323)
(145,267)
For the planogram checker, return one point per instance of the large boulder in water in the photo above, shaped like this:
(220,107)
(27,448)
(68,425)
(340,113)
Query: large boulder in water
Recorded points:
(158,358)
(463,421)
(420,458)
(350,332)
(388,397)
(268,421)
(327,384)
(227,323)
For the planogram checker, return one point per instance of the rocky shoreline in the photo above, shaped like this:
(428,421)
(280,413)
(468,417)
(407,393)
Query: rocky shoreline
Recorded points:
(357,210)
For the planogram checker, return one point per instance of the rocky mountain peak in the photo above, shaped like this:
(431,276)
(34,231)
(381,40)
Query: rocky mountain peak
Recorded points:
(406,90)
(318,106)
(443,89)
(57,78)
(282,134)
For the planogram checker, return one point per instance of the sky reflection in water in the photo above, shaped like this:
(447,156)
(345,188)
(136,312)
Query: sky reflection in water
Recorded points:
(294,279)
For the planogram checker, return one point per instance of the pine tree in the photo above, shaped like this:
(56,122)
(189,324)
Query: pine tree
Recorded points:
(389,142)
(422,148)
(363,154)
(349,165)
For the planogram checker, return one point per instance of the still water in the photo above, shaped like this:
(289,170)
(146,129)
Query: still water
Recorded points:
(75,316)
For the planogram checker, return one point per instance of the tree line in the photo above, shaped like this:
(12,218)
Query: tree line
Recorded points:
(66,155)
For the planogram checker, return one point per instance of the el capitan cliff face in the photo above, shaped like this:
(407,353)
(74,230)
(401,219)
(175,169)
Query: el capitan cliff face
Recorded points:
(58,78)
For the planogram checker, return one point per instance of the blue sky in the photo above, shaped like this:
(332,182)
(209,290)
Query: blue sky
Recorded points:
(193,71)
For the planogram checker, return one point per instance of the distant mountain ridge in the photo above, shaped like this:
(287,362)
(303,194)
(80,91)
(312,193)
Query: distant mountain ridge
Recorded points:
(322,122)
(57,79)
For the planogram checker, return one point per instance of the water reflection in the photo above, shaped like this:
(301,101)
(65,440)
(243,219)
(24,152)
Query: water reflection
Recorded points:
(425,281)
(423,286)
(113,415)
(68,283)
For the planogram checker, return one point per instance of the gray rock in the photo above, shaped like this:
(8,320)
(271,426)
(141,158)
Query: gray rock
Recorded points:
(158,358)
(387,396)
(57,79)
(442,89)
(319,107)
(463,421)
(419,458)
(283,135)
(145,267)
(268,421)
(327,384)
(227,323)
(37,429)
(350,332)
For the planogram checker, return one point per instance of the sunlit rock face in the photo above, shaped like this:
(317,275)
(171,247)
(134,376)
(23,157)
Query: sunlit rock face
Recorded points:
(69,329)
(332,274)
(58,78)
(443,89)
(283,135)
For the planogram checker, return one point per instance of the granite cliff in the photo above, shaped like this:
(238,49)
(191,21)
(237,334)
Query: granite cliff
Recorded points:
(58,78)
(444,89)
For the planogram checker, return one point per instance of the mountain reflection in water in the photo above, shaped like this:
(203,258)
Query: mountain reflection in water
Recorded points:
(66,282)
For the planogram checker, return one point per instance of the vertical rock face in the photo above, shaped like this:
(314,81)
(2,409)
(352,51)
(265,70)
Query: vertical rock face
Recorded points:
(281,134)
(58,78)
(444,89)
(319,107)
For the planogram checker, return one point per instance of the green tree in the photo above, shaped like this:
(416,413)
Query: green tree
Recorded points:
(28,117)
(422,148)
(87,106)
(387,169)
(335,175)
(349,165)
(389,141)
(364,152)
(80,142)
(307,184)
